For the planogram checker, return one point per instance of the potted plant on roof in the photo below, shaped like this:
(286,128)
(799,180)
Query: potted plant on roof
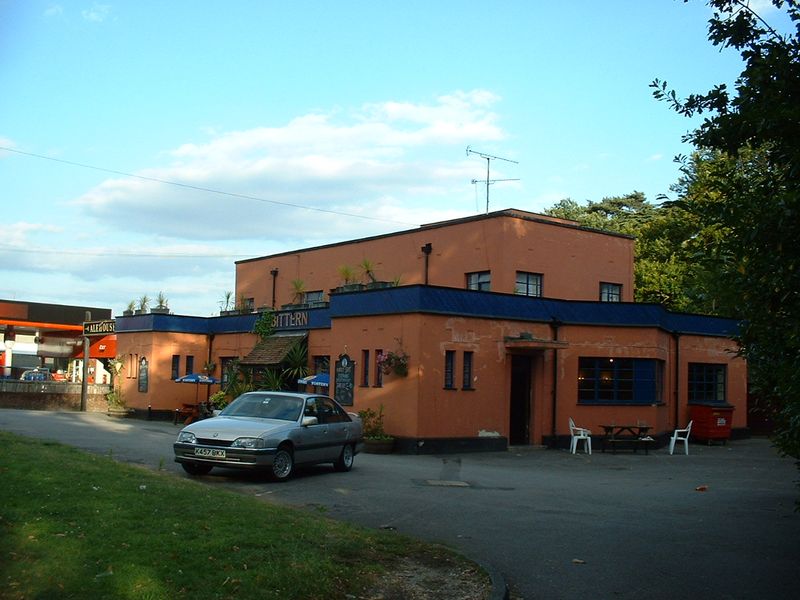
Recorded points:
(226,305)
(298,290)
(368,271)
(143,304)
(129,310)
(162,305)
(376,440)
(349,282)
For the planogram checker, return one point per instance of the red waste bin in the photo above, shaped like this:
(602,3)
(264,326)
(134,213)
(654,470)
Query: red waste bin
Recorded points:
(711,421)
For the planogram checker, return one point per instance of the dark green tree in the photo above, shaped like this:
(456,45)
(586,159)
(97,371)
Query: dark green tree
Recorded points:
(747,199)
(664,269)
(622,214)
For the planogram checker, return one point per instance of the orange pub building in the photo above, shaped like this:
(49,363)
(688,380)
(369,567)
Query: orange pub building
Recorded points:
(471,334)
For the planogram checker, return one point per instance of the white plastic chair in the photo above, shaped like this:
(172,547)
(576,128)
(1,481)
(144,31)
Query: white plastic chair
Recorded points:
(577,434)
(681,435)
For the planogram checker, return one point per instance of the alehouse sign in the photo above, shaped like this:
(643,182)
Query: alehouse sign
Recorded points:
(105,327)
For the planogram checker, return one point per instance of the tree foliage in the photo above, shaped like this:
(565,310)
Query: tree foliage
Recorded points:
(745,193)
(665,270)
(264,325)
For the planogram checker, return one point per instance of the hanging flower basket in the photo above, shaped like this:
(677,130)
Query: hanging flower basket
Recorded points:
(394,362)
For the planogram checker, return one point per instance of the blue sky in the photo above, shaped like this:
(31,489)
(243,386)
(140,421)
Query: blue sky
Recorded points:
(320,121)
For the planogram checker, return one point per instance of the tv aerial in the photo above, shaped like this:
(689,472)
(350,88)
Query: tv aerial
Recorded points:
(488,181)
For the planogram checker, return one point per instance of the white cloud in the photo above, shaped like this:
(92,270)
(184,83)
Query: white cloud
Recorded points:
(98,13)
(318,178)
(54,10)
(655,157)
(376,162)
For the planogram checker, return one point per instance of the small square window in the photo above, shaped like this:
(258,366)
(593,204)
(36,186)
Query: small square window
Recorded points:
(528,284)
(313,297)
(480,281)
(610,292)
(707,383)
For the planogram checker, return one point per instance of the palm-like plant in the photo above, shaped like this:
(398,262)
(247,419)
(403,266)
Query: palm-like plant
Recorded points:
(227,301)
(162,301)
(295,365)
(347,274)
(298,290)
(239,380)
(368,269)
(273,379)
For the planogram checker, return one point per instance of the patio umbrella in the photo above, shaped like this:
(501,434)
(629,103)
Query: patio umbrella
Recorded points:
(320,379)
(197,379)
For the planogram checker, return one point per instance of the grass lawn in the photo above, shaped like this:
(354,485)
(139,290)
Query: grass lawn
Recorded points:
(78,525)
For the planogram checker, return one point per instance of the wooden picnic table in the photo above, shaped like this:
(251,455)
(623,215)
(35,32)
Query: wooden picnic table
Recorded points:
(628,435)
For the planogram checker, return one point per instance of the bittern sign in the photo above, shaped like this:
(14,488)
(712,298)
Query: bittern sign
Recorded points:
(105,327)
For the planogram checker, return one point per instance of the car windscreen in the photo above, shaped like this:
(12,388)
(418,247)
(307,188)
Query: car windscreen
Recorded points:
(265,406)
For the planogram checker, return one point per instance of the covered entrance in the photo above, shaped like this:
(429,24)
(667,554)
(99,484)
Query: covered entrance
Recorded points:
(519,428)
(526,355)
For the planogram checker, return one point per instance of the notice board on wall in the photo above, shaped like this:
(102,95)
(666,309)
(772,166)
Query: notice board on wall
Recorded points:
(344,380)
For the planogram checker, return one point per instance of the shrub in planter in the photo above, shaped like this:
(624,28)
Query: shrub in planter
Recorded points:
(376,440)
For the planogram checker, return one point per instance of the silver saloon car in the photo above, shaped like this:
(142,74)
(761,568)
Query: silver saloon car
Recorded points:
(273,431)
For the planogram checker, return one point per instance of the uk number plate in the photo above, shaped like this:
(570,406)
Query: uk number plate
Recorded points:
(211,452)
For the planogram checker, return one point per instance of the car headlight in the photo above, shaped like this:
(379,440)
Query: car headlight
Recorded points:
(187,437)
(247,442)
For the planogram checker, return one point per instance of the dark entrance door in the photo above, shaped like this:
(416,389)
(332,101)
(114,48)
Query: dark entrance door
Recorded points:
(520,425)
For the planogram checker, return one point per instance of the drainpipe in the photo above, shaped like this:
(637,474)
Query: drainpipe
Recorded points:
(274,274)
(677,337)
(426,250)
(555,324)
(208,360)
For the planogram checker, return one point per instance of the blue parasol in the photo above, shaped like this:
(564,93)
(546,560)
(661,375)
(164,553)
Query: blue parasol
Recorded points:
(320,379)
(197,378)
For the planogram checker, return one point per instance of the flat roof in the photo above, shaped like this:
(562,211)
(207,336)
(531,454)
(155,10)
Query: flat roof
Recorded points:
(505,213)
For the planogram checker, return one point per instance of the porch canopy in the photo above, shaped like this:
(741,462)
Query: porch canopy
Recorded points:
(272,350)
(527,343)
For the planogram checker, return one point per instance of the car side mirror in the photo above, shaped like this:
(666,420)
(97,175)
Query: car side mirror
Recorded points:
(310,421)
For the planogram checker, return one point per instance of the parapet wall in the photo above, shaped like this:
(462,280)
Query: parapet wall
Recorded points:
(52,395)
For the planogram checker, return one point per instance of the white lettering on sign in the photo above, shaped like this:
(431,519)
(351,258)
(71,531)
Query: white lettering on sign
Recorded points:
(99,327)
(291,319)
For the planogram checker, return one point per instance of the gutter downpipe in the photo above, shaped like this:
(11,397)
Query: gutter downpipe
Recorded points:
(426,250)
(555,324)
(208,360)
(274,273)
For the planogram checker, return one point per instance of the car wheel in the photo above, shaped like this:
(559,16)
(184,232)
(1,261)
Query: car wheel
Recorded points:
(345,461)
(282,464)
(196,468)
